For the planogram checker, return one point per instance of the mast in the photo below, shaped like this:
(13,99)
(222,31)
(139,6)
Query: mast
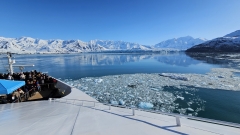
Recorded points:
(10,62)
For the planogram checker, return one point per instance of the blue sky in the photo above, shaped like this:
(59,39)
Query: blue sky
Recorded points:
(141,21)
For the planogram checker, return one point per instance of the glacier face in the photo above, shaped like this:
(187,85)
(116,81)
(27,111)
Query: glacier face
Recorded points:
(182,43)
(227,43)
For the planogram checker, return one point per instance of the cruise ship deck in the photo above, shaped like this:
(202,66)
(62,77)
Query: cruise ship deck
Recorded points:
(75,117)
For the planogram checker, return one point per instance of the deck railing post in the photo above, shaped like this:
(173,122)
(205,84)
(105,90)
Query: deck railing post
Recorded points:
(178,121)
(109,107)
(133,111)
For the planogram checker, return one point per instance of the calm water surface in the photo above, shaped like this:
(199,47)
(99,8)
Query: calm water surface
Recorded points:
(219,104)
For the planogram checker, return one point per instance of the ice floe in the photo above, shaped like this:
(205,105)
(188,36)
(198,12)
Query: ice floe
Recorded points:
(147,91)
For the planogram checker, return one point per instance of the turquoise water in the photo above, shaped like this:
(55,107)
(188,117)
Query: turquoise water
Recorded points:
(218,104)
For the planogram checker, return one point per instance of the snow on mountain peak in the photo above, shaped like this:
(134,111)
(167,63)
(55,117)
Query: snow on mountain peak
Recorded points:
(32,45)
(228,43)
(181,43)
(233,34)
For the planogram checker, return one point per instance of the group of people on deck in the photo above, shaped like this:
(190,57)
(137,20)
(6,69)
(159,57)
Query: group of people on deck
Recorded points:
(34,81)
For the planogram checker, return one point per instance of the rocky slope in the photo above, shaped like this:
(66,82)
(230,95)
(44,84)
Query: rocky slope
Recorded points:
(228,43)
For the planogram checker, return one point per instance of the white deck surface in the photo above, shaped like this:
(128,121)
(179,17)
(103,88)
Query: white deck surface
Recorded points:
(71,118)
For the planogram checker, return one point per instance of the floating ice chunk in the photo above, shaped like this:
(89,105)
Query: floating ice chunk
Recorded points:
(220,77)
(132,85)
(121,102)
(164,74)
(160,101)
(99,93)
(98,80)
(88,79)
(190,109)
(189,103)
(132,96)
(231,86)
(174,77)
(108,94)
(179,78)
(154,89)
(88,92)
(114,102)
(182,98)
(84,88)
(145,105)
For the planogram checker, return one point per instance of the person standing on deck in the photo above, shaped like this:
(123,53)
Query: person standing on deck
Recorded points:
(16,94)
(22,76)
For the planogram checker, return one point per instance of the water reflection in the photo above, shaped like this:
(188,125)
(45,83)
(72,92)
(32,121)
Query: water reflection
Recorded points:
(110,59)
(76,66)
(226,60)
(177,59)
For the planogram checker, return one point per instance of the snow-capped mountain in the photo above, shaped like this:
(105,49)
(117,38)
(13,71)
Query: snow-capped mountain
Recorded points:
(228,43)
(118,45)
(182,43)
(31,45)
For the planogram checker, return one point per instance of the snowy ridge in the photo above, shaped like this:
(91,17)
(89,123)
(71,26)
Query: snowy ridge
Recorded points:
(32,45)
(228,43)
(182,43)
(234,34)
(118,45)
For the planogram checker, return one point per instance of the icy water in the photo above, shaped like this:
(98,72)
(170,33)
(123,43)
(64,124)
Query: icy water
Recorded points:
(217,104)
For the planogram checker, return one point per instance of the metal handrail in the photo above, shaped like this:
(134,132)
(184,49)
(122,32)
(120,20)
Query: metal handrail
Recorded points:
(22,95)
(177,116)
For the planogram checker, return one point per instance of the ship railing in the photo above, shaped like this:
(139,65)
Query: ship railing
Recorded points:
(177,116)
(25,95)
(47,84)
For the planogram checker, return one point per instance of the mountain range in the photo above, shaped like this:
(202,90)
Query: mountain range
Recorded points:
(227,43)
(32,45)
(182,43)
